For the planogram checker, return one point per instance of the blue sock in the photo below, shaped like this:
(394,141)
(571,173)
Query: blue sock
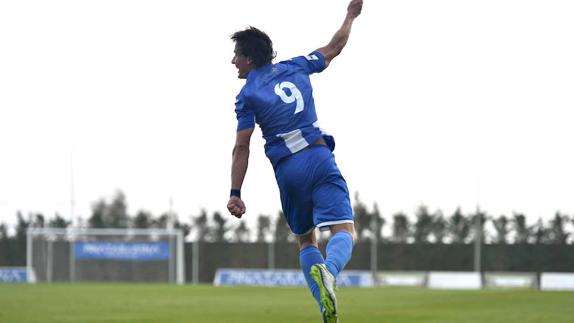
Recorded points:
(339,250)
(308,257)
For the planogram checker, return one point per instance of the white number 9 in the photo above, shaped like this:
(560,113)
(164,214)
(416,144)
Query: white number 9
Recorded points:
(295,95)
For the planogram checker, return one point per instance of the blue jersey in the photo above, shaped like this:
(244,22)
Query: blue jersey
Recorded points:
(279,98)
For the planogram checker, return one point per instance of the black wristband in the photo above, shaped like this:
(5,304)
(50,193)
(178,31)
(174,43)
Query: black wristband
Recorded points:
(235,192)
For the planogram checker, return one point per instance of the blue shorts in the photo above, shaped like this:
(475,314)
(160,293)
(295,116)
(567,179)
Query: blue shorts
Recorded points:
(313,191)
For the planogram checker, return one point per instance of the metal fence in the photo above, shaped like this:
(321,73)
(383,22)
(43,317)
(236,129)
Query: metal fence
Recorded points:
(204,258)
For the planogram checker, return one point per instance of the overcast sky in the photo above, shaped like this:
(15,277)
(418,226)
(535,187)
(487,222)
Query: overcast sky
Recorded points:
(446,103)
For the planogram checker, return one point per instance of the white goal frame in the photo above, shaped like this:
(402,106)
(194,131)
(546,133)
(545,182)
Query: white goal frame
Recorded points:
(176,270)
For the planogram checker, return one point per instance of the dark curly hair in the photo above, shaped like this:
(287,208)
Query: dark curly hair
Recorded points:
(255,44)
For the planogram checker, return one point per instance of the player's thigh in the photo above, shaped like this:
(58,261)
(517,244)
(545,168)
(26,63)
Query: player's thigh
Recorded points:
(331,202)
(296,193)
(298,210)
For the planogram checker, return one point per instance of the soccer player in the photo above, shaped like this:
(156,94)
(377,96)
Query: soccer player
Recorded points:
(313,192)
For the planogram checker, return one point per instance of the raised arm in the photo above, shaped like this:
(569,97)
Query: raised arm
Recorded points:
(238,170)
(340,38)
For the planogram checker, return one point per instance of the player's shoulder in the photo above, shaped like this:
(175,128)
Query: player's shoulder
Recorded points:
(313,56)
(311,63)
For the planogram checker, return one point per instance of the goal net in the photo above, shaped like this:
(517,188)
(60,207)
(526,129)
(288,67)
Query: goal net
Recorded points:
(106,255)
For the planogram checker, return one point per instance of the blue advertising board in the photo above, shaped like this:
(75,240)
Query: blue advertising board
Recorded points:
(285,277)
(133,251)
(13,275)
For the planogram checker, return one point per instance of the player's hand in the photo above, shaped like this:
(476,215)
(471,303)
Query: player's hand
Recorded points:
(354,8)
(236,207)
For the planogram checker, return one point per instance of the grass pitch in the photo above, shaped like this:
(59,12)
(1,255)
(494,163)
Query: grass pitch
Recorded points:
(61,303)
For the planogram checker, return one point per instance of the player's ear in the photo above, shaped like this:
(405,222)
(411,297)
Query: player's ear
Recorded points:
(249,61)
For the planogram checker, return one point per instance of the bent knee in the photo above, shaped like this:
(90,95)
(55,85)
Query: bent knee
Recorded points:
(344,227)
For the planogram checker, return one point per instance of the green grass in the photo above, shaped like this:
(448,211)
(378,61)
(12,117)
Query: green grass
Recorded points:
(165,303)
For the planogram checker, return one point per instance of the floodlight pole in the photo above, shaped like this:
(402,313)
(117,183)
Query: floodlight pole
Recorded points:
(477,240)
(374,248)
(73,256)
(50,261)
(195,262)
(74,222)
(29,254)
(478,229)
(180,258)
(170,227)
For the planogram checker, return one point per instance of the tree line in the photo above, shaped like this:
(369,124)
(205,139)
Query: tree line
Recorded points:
(423,227)
(460,228)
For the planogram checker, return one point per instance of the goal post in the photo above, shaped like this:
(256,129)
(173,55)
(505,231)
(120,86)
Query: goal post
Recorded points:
(106,255)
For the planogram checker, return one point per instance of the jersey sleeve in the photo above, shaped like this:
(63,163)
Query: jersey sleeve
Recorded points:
(245,116)
(312,63)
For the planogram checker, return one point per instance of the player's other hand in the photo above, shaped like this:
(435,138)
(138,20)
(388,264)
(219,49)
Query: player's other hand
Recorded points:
(354,8)
(236,206)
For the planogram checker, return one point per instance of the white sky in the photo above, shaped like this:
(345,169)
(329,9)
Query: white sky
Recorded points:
(445,103)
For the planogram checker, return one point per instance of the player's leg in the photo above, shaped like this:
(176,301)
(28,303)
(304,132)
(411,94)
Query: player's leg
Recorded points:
(310,255)
(332,211)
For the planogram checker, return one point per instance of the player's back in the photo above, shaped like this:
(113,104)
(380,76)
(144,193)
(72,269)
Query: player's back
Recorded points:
(279,97)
